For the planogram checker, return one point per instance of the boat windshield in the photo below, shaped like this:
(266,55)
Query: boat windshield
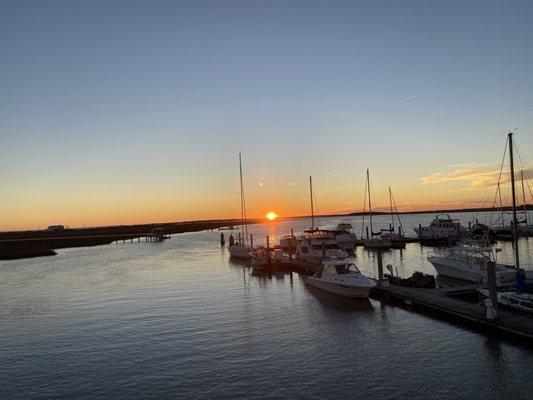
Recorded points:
(344,269)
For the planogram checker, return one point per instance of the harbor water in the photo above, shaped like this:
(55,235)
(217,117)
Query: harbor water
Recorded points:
(178,319)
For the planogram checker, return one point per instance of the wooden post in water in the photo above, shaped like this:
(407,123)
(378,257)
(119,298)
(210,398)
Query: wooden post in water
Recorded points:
(491,278)
(380,267)
(268,242)
(367,233)
(251,241)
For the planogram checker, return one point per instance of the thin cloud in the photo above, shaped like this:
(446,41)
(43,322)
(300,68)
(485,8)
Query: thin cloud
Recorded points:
(478,178)
(411,97)
(292,183)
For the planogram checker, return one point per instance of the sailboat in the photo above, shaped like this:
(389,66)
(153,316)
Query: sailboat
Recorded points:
(395,238)
(372,242)
(241,249)
(515,299)
(318,244)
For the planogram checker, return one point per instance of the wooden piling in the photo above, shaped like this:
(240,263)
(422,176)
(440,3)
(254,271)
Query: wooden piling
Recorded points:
(380,266)
(491,281)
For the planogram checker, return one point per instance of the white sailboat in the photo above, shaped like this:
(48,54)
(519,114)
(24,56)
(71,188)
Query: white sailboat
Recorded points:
(395,238)
(515,299)
(317,244)
(241,249)
(372,242)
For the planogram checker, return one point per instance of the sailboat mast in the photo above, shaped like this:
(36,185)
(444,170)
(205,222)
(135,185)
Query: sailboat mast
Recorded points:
(391,211)
(369,201)
(312,208)
(513,190)
(242,201)
(523,196)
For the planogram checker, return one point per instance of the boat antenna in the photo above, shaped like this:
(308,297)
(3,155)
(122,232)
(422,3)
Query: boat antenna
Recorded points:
(513,190)
(312,208)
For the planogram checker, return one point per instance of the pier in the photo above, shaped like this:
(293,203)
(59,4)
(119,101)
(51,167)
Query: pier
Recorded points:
(446,303)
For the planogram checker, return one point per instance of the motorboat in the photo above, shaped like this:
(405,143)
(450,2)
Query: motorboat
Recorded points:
(316,245)
(468,262)
(344,236)
(341,278)
(442,228)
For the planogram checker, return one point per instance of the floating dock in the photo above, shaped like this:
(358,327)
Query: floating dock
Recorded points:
(446,303)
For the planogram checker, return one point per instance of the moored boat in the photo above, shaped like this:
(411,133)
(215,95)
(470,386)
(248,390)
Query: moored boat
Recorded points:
(442,229)
(341,278)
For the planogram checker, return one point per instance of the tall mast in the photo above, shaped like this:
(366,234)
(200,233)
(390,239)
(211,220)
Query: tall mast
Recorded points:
(312,209)
(523,196)
(513,190)
(243,207)
(369,201)
(391,212)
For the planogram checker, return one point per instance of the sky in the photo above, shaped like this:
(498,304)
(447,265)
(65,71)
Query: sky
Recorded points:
(120,112)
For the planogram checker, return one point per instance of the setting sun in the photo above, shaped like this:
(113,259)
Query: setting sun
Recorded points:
(271,215)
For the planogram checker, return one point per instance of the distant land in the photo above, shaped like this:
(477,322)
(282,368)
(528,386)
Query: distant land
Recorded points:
(35,243)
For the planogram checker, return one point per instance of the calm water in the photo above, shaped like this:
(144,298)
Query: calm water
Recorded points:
(178,320)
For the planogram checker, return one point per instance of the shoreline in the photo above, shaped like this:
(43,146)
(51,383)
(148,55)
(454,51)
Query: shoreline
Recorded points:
(37,243)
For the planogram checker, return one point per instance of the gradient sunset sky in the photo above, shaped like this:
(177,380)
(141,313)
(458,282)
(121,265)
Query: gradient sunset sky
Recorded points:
(118,112)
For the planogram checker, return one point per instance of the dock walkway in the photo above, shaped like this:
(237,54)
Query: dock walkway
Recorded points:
(440,301)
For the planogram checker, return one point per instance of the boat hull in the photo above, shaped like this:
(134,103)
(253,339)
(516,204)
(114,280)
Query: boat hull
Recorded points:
(339,289)
(465,272)
(238,251)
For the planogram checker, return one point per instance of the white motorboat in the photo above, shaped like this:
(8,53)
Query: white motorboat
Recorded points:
(518,301)
(316,245)
(241,249)
(443,227)
(344,235)
(469,263)
(341,278)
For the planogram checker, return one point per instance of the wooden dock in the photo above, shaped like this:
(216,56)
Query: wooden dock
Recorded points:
(441,302)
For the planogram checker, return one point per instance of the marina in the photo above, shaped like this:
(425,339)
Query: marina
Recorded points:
(189,314)
(266,200)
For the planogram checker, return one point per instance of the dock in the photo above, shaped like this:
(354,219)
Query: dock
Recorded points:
(446,303)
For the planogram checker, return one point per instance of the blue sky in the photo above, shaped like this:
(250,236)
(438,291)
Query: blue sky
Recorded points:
(150,101)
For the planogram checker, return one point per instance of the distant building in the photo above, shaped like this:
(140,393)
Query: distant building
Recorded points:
(55,228)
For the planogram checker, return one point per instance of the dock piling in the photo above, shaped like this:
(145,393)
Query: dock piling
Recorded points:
(491,278)
(380,266)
